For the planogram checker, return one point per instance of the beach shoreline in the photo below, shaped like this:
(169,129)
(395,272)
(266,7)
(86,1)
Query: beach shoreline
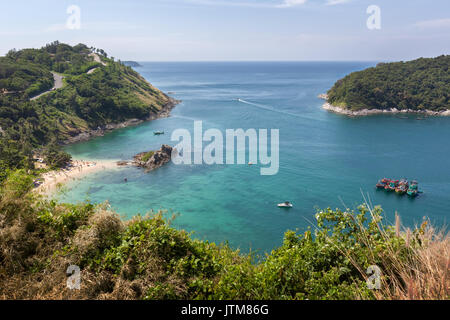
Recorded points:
(53,180)
(367,112)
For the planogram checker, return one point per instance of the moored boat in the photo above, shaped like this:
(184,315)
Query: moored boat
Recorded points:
(285,204)
(402,187)
(382,183)
(391,185)
(413,189)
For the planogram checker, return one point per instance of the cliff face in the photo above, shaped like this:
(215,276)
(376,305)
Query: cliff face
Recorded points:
(152,160)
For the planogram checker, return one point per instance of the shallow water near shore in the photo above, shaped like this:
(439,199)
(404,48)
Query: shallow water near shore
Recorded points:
(326,159)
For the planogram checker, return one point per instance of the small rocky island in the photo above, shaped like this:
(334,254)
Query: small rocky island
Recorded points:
(132,64)
(152,160)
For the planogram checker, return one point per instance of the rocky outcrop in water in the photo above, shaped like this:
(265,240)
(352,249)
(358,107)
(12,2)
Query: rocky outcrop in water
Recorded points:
(152,160)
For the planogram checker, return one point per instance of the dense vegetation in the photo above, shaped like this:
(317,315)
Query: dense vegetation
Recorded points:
(147,259)
(109,94)
(422,84)
(24,77)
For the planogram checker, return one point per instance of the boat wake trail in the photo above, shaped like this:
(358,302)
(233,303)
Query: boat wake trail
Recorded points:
(269,108)
(185,118)
(208,122)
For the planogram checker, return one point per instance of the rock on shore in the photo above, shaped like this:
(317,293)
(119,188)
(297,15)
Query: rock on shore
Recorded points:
(366,112)
(152,160)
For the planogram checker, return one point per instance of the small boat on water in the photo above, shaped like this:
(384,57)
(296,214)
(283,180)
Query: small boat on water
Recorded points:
(158,133)
(413,189)
(391,185)
(382,183)
(402,187)
(285,204)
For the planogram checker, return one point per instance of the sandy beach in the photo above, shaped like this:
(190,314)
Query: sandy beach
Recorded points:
(53,180)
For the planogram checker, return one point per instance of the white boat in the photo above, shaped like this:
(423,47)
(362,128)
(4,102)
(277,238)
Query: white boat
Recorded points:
(286,204)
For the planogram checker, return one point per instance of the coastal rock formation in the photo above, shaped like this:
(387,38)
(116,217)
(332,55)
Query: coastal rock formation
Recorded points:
(153,159)
(366,112)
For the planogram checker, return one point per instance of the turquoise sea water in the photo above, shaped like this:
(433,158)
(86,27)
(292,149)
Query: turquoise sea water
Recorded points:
(325,159)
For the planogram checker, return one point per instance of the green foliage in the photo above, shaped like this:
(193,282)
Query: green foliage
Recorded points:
(22,75)
(55,157)
(13,156)
(55,56)
(147,156)
(18,184)
(67,220)
(417,85)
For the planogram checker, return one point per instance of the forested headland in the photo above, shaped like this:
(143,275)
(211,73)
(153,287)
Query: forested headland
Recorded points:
(418,85)
(97,91)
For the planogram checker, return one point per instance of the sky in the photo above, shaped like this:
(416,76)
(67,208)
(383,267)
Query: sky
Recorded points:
(233,30)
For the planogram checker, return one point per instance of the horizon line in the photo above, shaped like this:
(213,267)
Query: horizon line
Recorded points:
(136,60)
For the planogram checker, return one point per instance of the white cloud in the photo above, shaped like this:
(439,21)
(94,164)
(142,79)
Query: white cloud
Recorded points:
(437,23)
(255,4)
(56,28)
(291,3)
(94,26)
(262,4)
(335,2)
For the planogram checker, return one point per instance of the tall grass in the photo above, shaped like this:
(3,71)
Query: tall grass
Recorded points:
(415,263)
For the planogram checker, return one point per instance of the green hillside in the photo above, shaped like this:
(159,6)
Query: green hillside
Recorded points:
(94,94)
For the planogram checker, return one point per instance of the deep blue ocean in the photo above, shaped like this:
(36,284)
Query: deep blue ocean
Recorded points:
(326,160)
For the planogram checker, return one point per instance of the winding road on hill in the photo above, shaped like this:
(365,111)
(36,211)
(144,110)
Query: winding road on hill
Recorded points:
(96,59)
(58,83)
(58,78)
